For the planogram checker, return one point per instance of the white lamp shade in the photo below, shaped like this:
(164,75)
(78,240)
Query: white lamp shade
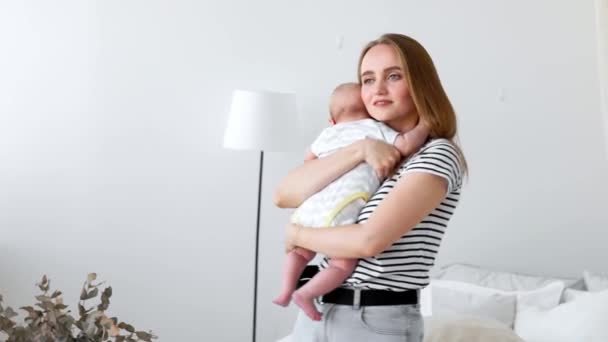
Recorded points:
(262,120)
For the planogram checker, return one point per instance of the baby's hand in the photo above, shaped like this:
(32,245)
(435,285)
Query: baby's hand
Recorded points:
(382,157)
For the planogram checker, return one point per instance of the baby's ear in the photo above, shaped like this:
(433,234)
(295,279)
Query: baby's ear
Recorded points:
(331,121)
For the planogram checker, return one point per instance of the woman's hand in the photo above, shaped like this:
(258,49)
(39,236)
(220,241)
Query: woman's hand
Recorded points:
(382,157)
(290,237)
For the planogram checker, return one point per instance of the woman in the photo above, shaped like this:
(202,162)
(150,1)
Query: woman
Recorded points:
(401,228)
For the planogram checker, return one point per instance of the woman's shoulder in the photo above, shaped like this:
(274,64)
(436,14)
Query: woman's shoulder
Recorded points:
(437,143)
(437,148)
(440,157)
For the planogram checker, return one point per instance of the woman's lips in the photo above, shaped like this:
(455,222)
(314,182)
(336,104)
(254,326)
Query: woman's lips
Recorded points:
(381,103)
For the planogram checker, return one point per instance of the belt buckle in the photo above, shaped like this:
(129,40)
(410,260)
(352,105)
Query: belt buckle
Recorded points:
(356,299)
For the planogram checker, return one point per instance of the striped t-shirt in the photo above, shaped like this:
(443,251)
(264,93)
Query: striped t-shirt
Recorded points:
(406,264)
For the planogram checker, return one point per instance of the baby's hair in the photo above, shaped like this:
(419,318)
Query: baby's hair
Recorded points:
(340,90)
(346,86)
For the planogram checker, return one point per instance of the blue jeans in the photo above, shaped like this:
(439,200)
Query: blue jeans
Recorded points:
(344,323)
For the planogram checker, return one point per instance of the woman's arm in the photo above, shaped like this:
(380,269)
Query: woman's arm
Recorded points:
(412,199)
(314,175)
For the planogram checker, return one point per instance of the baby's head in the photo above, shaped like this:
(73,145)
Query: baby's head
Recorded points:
(346,105)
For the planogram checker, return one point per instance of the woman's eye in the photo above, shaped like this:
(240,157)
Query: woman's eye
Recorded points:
(367,81)
(394,77)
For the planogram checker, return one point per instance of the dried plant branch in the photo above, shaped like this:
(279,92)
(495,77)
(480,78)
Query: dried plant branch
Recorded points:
(49,320)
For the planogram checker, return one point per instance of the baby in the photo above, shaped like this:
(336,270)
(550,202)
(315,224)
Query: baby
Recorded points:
(339,203)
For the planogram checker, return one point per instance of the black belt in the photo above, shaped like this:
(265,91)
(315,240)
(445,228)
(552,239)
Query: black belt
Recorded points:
(366,297)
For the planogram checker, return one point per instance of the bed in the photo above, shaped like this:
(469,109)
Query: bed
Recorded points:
(467,303)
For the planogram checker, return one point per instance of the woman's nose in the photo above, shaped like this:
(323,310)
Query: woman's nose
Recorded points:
(380,87)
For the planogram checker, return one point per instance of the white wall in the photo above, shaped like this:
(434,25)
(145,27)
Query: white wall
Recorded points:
(523,77)
(112,115)
(601,19)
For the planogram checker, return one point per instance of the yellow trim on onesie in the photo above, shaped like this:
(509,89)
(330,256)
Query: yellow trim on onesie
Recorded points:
(358,195)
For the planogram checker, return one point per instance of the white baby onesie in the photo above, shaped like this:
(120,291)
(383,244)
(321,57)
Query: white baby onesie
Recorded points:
(339,203)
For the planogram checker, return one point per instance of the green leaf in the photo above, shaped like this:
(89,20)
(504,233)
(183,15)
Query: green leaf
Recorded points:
(46,305)
(56,294)
(44,284)
(60,306)
(66,321)
(83,294)
(43,298)
(92,294)
(29,309)
(107,292)
(9,313)
(144,336)
(126,326)
(105,299)
(6,324)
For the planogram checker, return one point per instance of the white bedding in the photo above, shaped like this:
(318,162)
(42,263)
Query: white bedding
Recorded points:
(467,330)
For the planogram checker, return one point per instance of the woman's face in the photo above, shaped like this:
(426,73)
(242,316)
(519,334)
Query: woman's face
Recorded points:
(384,89)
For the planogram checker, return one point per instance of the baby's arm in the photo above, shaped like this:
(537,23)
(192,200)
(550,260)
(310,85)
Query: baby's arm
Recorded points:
(409,142)
(310,156)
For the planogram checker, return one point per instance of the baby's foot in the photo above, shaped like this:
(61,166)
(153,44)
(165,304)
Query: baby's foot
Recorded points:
(283,299)
(307,305)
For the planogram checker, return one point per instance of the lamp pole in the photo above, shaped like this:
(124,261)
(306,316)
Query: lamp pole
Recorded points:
(257,247)
(260,121)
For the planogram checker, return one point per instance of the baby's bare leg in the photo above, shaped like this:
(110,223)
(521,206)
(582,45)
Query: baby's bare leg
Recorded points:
(295,262)
(322,283)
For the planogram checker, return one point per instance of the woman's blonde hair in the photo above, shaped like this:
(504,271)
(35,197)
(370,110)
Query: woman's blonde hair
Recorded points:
(431,101)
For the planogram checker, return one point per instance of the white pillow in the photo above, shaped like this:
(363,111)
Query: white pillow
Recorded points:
(583,319)
(460,299)
(467,330)
(506,281)
(570,295)
(595,282)
(426,301)
(452,299)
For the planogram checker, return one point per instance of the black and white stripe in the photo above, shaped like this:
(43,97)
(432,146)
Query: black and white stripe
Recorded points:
(406,264)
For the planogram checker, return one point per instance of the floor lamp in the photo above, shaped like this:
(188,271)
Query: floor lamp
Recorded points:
(260,121)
